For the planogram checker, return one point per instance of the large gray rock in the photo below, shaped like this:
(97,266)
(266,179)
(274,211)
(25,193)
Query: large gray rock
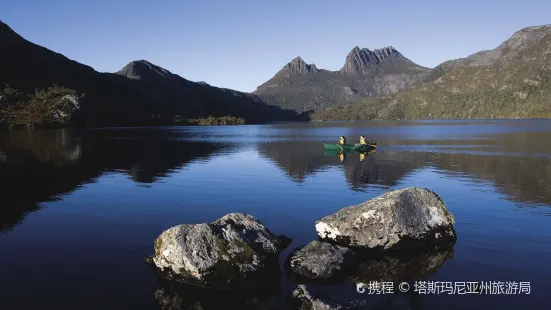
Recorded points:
(320,261)
(235,251)
(401,218)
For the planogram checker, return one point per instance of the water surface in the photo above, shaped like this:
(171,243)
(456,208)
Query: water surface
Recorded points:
(79,210)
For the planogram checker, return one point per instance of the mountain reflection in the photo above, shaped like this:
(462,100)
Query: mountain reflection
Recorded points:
(40,166)
(522,178)
(300,159)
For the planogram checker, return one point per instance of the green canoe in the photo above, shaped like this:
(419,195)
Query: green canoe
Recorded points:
(349,147)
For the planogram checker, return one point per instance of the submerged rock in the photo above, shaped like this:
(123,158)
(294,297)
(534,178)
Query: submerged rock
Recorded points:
(320,261)
(397,219)
(307,298)
(235,251)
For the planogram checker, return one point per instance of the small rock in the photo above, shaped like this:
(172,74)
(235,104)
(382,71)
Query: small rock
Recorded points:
(397,219)
(149,260)
(320,261)
(235,251)
(305,298)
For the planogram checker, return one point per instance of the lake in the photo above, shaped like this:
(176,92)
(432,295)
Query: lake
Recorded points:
(79,211)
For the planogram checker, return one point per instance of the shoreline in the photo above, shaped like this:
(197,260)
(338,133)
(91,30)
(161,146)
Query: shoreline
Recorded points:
(4,127)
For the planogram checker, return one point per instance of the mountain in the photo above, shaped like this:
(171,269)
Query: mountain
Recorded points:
(139,94)
(301,87)
(146,71)
(517,46)
(511,81)
(200,99)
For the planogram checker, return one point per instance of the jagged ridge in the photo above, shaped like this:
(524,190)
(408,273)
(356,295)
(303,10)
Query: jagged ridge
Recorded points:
(510,81)
(365,74)
(365,61)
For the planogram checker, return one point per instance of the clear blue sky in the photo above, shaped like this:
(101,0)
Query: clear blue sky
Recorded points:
(241,44)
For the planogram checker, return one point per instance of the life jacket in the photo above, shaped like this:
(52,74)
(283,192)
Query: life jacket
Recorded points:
(362,141)
(342,141)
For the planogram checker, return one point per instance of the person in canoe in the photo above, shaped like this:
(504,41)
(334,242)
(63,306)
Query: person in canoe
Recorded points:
(363,141)
(342,141)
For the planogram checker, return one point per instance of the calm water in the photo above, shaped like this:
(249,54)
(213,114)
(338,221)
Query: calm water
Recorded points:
(79,211)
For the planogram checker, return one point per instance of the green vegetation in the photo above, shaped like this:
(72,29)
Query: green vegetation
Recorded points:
(45,107)
(517,88)
(59,106)
(210,121)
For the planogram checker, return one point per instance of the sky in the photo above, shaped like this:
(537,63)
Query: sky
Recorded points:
(241,44)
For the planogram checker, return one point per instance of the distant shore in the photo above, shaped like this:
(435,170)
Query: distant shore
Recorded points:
(210,121)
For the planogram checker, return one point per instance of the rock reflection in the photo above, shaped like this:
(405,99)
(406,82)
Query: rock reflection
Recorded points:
(366,291)
(173,296)
(402,267)
(310,297)
(394,266)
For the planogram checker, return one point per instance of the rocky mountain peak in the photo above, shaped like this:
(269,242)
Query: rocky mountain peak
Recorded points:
(525,37)
(507,51)
(361,60)
(388,51)
(299,66)
(143,70)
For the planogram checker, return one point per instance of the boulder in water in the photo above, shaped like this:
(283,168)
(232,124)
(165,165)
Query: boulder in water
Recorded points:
(398,219)
(320,261)
(233,252)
